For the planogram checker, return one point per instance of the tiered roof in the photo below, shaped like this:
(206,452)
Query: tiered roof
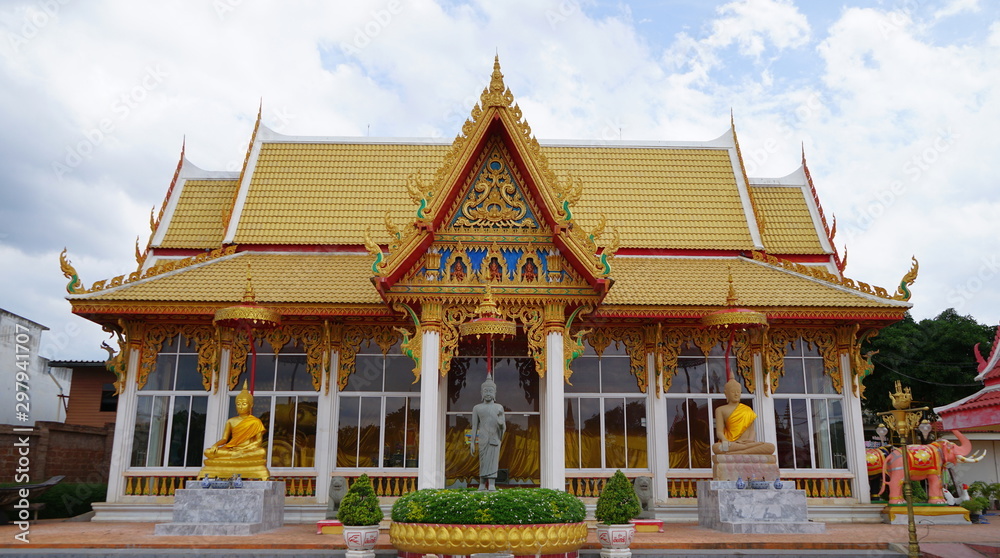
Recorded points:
(684,215)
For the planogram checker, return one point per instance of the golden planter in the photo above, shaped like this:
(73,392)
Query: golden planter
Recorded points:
(433,538)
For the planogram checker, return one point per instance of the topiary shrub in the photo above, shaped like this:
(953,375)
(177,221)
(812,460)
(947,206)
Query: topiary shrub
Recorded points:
(617,504)
(511,506)
(360,504)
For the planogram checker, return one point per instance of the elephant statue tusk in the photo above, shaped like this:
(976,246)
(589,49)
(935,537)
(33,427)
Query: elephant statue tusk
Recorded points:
(974,458)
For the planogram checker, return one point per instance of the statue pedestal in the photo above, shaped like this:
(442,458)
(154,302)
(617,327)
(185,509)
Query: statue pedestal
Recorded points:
(730,467)
(924,514)
(723,507)
(257,507)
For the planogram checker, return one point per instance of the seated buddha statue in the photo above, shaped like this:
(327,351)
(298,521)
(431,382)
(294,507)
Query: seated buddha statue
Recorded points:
(734,426)
(241,449)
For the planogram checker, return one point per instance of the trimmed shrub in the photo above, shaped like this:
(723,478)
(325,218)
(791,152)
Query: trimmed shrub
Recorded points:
(360,504)
(617,504)
(511,506)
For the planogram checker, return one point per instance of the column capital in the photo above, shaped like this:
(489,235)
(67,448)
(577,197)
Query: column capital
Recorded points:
(431,315)
(554,317)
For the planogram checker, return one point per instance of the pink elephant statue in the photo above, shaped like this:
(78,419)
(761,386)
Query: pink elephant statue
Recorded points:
(925,462)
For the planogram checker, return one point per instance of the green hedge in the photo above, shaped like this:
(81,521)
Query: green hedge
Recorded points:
(511,506)
(67,499)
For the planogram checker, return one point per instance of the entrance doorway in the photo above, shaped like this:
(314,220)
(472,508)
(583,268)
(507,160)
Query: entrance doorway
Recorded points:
(517,390)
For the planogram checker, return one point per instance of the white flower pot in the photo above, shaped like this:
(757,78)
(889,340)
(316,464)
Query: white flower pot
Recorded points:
(615,540)
(361,540)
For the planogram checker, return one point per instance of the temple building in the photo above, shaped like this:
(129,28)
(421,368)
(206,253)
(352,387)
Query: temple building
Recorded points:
(374,252)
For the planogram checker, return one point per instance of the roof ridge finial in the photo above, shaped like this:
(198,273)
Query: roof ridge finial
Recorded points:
(731,298)
(497,94)
(248,294)
(496,79)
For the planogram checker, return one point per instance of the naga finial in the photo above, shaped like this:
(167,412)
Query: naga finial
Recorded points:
(75,286)
(375,250)
(902,292)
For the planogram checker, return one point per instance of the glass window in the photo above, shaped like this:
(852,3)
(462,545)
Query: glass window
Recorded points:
(170,410)
(517,390)
(696,391)
(605,413)
(109,402)
(379,417)
(808,413)
(285,401)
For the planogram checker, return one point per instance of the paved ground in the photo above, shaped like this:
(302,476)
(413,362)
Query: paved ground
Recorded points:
(957,541)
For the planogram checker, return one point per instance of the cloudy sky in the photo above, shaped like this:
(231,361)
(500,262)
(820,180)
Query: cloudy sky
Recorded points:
(896,103)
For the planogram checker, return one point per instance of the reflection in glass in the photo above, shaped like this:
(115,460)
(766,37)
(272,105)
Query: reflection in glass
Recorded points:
(347,432)
(689,438)
(140,434)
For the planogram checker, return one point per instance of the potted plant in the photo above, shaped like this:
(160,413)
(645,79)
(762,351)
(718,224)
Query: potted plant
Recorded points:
(522,521)
(975,506)
(617,506)
(361,515)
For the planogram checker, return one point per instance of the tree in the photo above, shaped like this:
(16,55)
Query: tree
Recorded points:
(933,357)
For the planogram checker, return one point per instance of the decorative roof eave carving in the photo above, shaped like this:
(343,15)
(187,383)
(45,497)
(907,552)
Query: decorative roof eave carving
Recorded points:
(691,315)
(114,309)
(902,293)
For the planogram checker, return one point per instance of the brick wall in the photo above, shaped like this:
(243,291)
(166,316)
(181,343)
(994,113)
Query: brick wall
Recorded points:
(81,453)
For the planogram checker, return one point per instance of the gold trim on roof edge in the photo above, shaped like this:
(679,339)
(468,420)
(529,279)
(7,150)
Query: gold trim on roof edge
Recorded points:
(159,269)
(830,233)
(758,217)
(817,273)
(227,217)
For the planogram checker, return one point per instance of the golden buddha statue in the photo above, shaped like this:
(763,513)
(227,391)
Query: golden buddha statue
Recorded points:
(734,426)
(241,449)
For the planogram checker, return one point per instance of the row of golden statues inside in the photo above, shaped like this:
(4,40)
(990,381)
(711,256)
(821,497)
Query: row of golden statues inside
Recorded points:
(241,450)
(481,265)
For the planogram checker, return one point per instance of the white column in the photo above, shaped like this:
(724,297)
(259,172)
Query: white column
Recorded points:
(767,430)
(656,430)
(553,435)
(326,426)
(218,402)
(854,434)
(430,456)
(121,450)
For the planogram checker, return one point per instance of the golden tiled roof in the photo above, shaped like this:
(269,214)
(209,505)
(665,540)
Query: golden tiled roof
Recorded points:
(789,227)
(329,193)
(285,278)
(197,218)
(324,278)
(704,281)
(658,198)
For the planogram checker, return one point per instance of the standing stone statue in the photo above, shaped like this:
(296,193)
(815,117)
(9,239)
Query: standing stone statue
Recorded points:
(488,426)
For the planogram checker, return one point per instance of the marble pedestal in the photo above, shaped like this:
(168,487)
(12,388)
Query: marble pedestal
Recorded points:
(257,507)
(723,507)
